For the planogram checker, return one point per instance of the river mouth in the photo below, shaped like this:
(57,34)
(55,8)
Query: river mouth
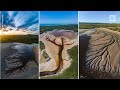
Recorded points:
(18,61)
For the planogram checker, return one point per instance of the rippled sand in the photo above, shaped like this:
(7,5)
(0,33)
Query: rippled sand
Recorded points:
(102,53)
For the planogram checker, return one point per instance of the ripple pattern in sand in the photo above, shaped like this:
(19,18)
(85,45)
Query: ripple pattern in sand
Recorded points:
(103,52)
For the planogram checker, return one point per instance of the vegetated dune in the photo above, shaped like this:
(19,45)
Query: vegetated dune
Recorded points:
(100,57)
(57,43)
(19,61)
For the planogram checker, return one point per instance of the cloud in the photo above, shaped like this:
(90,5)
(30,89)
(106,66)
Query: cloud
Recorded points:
(20,19)
(33,27)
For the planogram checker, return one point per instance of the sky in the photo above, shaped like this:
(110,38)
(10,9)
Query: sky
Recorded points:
(58,17)
(99,16)
(0,20)
(21,19)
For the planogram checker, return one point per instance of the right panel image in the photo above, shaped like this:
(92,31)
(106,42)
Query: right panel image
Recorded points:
(99,41)
(58,45)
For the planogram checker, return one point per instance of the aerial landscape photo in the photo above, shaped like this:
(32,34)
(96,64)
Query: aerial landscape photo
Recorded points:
(58,45)
(19,44)
(0,43)
(99,44)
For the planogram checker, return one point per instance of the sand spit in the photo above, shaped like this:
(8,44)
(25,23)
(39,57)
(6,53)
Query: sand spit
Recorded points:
(18,61)
(56,45)
(101,57)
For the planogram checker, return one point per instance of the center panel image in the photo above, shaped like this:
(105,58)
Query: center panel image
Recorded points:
(19,44)
(58,45)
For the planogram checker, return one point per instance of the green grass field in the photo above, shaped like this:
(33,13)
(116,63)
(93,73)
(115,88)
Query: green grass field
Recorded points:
(114,27)
(72,71)
(28,39)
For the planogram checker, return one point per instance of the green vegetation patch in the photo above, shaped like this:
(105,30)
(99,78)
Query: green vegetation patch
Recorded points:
(28,39)
(45,55)
(42,46)
(114,27)
(59,27)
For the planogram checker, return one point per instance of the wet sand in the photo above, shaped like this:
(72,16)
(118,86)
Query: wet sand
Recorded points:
(18,61)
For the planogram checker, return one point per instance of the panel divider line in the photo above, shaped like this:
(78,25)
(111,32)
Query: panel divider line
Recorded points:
(39,46)
(78,46)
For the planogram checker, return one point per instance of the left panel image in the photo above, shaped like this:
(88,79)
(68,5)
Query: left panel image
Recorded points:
(0,41)
(19,44)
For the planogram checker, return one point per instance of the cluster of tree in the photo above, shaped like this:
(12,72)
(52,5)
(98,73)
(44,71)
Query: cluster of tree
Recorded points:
(114,28)
(42,46)
(28,39)
(59,27)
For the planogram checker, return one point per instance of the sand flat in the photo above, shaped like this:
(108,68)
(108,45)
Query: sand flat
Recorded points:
(14,55)
(102,52)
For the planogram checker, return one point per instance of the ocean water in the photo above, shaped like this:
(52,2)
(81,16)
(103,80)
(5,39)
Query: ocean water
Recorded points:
(52,24)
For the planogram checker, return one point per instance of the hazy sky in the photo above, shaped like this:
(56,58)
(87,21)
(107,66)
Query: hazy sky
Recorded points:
(21,19)
(99,16)
(58,17)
